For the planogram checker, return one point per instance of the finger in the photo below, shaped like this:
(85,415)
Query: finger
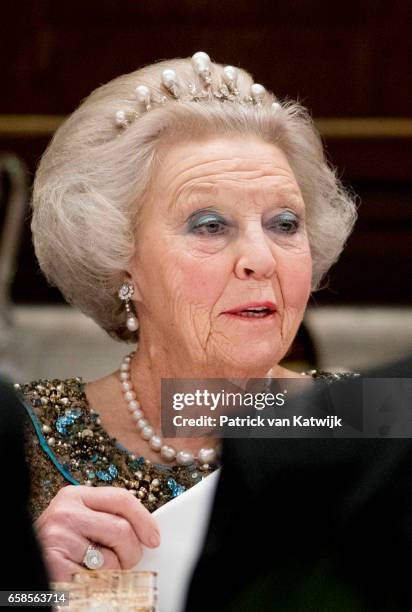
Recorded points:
(59,568)
(112,531)
(114,500)
(72,546)
(72,530)
(62,569)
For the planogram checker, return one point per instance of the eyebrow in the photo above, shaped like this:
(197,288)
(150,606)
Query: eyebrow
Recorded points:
(197,190)
(211,196)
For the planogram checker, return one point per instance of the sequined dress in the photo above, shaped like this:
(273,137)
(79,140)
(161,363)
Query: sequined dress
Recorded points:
(66,444)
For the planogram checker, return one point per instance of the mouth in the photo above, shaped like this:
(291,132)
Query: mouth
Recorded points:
(265,310)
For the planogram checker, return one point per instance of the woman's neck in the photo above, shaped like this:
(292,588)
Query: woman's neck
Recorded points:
(150,365)
(147,369)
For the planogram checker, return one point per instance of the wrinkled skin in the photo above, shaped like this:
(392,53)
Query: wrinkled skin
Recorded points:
(78,515)
(185,278)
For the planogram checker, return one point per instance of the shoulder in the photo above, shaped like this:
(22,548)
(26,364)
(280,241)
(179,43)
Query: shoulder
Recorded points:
(323,375)
(60,422)
(54,404)
(49,405)
(48,392)
(333,376)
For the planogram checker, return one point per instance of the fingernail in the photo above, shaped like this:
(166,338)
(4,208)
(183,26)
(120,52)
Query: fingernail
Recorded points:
(155,539)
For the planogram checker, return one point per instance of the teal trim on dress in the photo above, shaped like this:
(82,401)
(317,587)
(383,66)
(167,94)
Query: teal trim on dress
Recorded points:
(45,446)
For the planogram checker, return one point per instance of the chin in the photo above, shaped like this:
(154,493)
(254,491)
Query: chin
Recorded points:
(251,363)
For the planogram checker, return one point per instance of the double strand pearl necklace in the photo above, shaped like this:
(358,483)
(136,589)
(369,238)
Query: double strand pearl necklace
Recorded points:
(183,457)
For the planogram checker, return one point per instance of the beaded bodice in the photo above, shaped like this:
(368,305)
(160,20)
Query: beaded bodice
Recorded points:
(66,444)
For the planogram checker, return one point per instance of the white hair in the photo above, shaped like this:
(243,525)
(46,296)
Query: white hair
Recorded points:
(92,179)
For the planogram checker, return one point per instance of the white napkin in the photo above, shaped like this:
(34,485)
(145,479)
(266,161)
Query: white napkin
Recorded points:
(182,523)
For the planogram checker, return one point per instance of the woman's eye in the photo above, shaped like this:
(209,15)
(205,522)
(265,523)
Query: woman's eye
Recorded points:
(286,224)
(208,226)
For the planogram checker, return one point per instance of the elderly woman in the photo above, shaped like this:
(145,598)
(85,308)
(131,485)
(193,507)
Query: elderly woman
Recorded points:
(185,209)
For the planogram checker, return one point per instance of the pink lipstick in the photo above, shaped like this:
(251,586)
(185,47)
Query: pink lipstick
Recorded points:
(253,311)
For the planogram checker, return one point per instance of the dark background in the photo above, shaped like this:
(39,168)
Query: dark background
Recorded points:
(348,62)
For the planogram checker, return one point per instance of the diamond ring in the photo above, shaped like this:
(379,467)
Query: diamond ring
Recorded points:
(93,559)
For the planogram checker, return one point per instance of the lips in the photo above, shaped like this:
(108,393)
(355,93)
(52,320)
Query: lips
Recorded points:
(253,310)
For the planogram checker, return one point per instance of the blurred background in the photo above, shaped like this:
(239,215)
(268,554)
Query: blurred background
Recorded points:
(348,62)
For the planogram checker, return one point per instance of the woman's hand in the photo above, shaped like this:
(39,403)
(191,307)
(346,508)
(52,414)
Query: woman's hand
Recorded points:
(110,517)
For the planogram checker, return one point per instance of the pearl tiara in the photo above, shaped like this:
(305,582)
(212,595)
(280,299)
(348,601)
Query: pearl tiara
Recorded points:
(226,91)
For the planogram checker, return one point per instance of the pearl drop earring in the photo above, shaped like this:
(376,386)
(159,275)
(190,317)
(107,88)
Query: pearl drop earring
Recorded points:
(125,293)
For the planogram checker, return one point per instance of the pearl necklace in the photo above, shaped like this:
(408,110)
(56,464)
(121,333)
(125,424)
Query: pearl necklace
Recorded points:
(183,457)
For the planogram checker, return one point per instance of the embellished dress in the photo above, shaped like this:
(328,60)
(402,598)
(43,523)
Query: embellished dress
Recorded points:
(66,444)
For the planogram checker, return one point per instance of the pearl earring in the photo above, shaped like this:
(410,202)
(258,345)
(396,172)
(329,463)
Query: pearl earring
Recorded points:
(125,293)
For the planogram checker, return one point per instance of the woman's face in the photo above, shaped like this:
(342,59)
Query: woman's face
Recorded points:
(222,229)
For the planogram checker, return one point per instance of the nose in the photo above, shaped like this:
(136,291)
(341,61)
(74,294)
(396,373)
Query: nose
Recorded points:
(255,255)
